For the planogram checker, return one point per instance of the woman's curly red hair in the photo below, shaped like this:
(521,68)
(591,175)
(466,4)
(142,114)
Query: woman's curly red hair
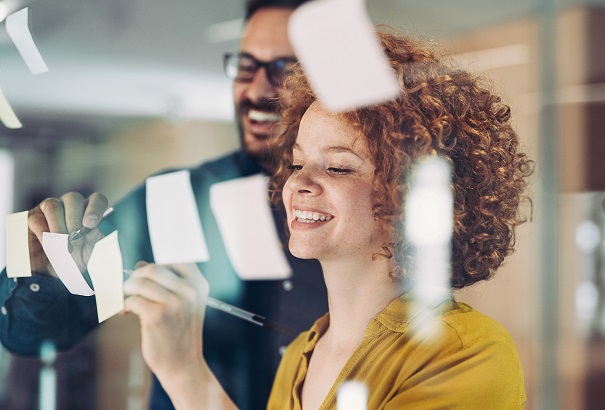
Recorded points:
(440,110)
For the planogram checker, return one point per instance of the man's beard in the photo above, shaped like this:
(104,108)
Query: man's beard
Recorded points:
(265,105)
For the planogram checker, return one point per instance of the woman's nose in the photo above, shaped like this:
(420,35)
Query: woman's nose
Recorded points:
(305,181)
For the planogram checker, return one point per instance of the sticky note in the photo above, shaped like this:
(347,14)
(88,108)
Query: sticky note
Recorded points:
(428,227)
(7,115)
(105,269)
(429,204)
(352,395)
(243,214)
(56,248)
(341,55)
(17,246)
(17,27)
(175,228)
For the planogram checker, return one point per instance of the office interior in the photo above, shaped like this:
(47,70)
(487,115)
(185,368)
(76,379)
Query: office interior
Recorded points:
(135,87)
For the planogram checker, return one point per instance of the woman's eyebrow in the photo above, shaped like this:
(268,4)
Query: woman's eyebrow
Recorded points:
(335,149)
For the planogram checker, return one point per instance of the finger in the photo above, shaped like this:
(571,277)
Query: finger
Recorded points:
(97,204)
(148,289)
(93,236)
(53,211)
(185,270)
(162,275)
(151,314)
(37,223)
(138,305)
(128,272)
(191,273)
(73,204)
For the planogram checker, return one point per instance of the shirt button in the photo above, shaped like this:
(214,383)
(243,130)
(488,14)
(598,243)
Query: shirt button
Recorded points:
(282,350)
(288,285)
(3,310)
(34,287)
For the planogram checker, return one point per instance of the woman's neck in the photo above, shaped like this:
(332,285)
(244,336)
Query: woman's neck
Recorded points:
(357,292)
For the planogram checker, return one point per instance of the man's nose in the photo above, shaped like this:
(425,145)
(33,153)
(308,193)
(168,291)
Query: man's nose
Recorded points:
(259,87)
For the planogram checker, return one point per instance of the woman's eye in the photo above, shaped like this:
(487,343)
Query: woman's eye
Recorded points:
(337,170)
(294,167)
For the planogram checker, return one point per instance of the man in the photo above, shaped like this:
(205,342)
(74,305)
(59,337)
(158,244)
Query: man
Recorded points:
(243,356)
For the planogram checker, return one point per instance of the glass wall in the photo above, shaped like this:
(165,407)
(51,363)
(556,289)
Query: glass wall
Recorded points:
(137,87)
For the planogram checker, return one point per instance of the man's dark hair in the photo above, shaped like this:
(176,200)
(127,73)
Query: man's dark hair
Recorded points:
(252,6)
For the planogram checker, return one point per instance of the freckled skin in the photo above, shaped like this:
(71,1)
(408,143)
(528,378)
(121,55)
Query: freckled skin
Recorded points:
(333,175)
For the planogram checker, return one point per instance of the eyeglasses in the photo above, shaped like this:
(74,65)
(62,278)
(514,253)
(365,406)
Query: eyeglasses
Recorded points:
(241,67)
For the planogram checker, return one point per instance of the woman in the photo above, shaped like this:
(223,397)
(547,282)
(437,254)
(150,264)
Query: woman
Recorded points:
(342,180)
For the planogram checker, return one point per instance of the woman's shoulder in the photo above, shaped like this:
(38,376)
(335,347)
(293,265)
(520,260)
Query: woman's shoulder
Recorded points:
(471,326)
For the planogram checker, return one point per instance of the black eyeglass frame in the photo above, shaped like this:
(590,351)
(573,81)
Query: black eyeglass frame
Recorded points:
(274,69)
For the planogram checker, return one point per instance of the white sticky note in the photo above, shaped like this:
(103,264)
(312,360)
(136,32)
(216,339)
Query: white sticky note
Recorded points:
(341,55)
(56,248)
(17,27)
(243,214)
(352,395)
(174,223)
(105,269)
(429,220)
(17,246)
(7,115)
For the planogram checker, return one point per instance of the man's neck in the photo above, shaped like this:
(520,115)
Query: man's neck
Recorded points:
(266,161)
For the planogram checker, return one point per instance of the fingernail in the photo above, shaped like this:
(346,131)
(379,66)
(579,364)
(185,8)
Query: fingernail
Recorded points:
(90,221)
(44,203)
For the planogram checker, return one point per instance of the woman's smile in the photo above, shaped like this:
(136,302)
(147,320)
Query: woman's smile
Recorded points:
(310,216)
(328,196)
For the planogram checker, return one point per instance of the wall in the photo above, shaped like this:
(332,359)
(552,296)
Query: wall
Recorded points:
(514,296)
(507,54)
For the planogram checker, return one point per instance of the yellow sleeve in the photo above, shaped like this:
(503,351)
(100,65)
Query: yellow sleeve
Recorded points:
(471,370)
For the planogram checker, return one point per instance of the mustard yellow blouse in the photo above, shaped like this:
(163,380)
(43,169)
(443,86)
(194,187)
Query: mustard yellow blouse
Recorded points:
(466,361)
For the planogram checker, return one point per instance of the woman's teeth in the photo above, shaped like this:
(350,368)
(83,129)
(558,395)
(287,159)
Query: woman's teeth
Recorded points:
(311,217)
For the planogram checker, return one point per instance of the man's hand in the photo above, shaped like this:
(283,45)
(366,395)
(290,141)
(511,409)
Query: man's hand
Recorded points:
(66,215)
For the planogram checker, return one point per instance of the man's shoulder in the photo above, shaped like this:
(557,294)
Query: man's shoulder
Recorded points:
(230,158)
(232,165)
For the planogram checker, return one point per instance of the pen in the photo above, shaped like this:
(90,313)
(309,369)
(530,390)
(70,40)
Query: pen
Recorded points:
(243,314)
(77,234)
(213,303)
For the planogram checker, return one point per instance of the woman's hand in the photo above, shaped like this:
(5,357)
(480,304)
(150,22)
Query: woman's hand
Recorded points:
(171,302)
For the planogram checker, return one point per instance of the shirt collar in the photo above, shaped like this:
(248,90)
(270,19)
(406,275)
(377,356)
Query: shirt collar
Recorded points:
(398,314)
(396,317)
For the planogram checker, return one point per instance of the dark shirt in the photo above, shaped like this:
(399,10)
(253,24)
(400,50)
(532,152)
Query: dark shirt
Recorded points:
(243,356)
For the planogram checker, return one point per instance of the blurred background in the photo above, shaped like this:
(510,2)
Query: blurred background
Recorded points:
(135,86)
